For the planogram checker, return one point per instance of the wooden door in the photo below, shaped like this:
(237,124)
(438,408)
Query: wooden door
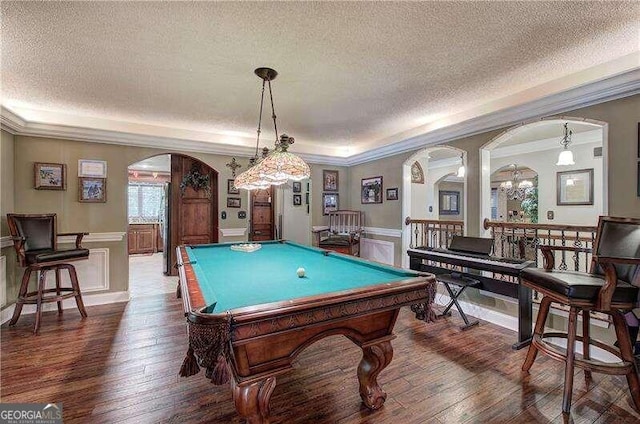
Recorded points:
(194,213)
(262,225)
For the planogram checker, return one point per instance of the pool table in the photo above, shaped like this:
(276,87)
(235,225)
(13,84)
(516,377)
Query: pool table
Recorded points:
(249,314)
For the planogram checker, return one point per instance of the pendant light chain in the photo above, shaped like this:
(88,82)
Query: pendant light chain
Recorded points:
(255,155)
(273,114)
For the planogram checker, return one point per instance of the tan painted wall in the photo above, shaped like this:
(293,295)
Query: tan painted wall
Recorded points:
(95,217)
(7,199)
(387,214)
(7,205)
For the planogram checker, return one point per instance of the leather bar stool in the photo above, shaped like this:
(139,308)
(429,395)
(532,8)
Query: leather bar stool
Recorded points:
(35,241)
(611,287)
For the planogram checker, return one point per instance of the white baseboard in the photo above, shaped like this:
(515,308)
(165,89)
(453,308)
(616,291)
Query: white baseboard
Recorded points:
(88,300)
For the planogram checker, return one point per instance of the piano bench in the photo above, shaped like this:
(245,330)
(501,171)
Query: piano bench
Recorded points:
(458,280)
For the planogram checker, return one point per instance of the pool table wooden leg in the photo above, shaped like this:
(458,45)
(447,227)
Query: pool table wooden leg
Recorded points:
(252,399)
(375,357)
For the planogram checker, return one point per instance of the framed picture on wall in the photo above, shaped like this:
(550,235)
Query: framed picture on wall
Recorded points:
(92,190)
(92,168)
(575,187)
(371,190)
(297,187)
(329,180)
(392,193)
(49,176)
(297,199)
(233,202)
(231,189)
(329,203)
(449,202)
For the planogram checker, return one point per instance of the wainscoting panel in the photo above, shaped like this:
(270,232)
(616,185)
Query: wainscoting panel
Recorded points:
(93,273)
(377,250)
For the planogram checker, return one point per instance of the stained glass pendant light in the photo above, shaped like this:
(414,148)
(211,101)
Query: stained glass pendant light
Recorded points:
(280,165)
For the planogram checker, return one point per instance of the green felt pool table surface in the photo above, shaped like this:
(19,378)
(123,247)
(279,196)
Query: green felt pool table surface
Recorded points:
(231,279)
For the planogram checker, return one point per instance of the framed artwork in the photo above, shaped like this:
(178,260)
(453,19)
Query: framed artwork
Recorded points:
(329,203)
(92,168)
(329,180)
(575,187)
(392,193)
(449,203)
(231,189)
(297,199)
(306,198)
(233,202)
(49,176)
(371,190)
(297,187)
(417,174)
(92,190)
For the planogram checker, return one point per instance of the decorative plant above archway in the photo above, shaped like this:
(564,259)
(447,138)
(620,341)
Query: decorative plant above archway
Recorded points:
(197,181)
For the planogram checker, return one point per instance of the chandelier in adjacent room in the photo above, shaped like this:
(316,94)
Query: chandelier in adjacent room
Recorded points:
(280,165)
(516,188)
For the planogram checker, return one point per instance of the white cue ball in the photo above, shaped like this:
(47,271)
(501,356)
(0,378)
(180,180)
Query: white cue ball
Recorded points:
(300,272)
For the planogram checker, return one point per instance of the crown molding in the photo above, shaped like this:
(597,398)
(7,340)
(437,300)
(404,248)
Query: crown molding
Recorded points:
(616,87)
(619,86)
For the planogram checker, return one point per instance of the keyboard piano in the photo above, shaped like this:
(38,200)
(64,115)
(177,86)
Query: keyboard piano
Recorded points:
(496,275)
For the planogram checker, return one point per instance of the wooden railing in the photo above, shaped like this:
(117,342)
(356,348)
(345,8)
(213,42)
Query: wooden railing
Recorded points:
(432,232)
(523,241)
(514,239)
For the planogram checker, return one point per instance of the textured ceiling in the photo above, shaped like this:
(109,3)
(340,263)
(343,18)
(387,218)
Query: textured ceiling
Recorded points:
(353,75)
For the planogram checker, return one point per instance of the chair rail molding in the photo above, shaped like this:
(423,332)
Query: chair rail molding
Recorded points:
(385,232)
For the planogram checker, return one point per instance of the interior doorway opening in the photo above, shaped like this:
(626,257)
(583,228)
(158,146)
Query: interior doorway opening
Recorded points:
(172,200)
(148,192)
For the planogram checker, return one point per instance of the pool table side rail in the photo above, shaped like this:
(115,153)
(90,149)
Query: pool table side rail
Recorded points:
(194,303)
(192,298)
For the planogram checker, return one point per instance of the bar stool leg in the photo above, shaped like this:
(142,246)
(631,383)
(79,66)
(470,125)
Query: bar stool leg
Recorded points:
(626,352)
(58,289)
(586,354)
(76,289)
(569,364)
(532,352)
(39,296)
(24,286)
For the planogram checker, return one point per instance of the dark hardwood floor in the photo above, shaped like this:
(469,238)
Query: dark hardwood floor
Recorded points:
(120,365)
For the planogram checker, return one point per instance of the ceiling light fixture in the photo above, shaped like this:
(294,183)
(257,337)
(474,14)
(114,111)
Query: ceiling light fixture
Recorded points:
(461,170)
(280,165)
(514,188)
(566,156)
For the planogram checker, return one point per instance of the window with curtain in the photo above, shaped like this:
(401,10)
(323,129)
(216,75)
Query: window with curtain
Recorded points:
(146,202)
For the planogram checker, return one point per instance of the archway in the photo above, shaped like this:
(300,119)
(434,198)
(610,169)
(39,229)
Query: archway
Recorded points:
(536,145)
(421,200)
(189,206)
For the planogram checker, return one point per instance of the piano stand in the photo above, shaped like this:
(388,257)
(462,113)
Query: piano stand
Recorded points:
(458,280)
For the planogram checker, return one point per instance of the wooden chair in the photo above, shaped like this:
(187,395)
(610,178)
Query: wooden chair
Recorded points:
(34,238)
(611,287)
(343,233)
